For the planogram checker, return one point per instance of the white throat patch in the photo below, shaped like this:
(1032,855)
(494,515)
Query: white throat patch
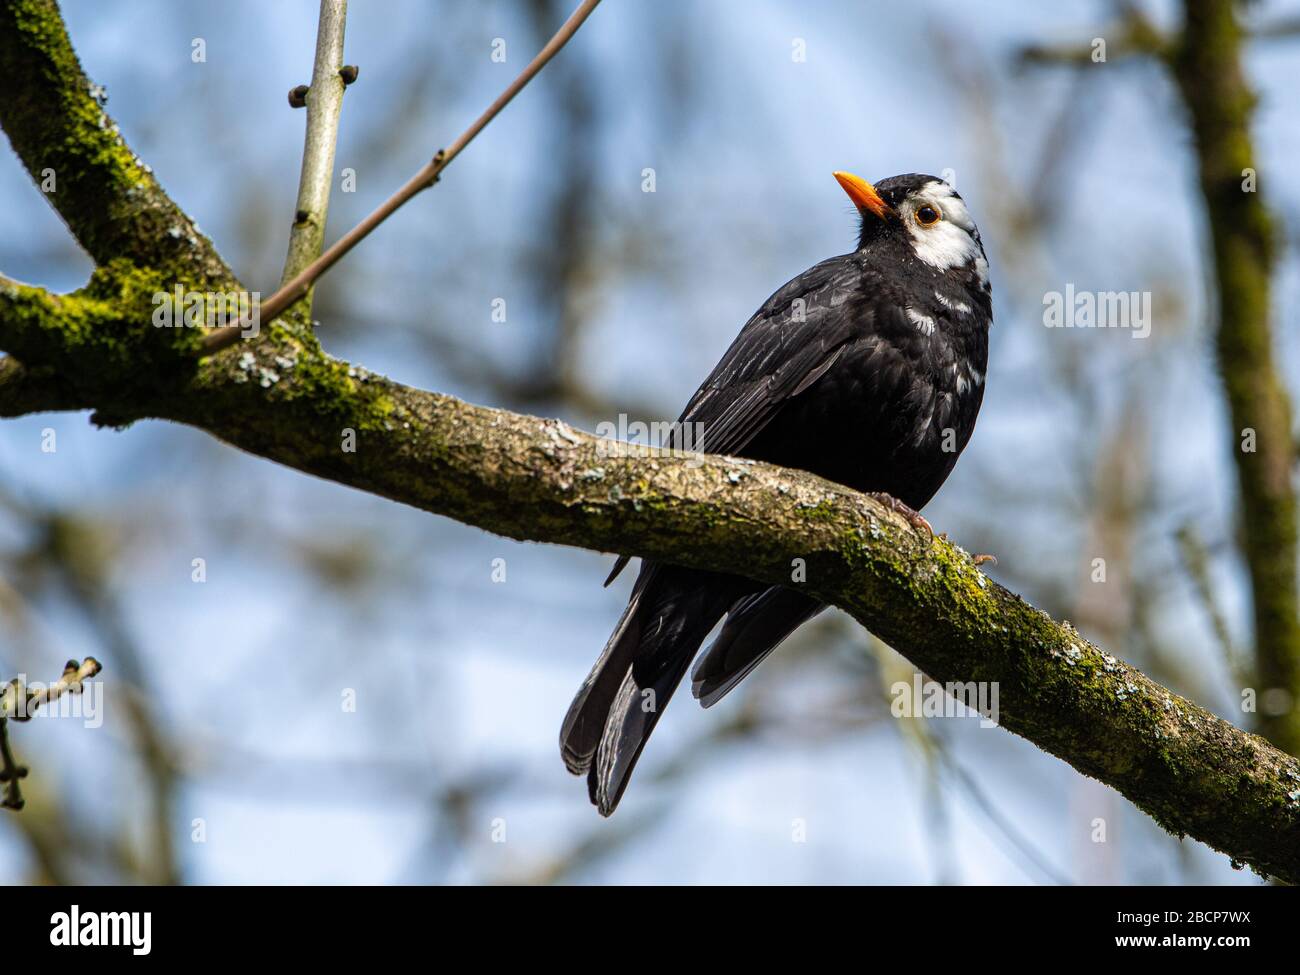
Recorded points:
(950,242)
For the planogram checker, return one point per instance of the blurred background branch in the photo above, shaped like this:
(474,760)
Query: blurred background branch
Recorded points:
(1206,61)
(1221,103)
(19,702)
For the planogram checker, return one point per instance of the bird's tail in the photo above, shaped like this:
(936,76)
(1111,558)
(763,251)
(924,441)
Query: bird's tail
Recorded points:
(755,627)
(669,614)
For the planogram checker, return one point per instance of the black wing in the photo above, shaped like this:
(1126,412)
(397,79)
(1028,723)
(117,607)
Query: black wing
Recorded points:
(788,344)
(783,349)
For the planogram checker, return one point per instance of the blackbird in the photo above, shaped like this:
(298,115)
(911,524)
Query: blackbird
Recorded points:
(867,369)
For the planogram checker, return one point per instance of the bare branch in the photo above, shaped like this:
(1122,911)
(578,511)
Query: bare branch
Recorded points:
(1132,36)
(19,703)
(291,291)
(11,773)
(1135,36)
(1196,560)
(324,100)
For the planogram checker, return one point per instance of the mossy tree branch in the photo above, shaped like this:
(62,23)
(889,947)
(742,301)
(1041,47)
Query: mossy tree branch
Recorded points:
(529,478)
(55,120)
(282,398)
(24,391)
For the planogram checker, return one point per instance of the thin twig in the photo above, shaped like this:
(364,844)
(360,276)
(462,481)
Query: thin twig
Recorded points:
(324,105)
(938,755)
(10,772)
(1196,560)
(975,792)
(426,177)
(20,703)
(1135,36)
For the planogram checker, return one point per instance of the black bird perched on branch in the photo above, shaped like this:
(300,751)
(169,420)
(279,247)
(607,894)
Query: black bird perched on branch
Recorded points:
(867,369)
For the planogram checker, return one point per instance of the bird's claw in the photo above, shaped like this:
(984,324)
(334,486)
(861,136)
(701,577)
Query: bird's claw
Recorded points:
(913,517)
(981,559)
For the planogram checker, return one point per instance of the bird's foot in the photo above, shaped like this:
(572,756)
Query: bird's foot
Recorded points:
(893,504)
(981,559)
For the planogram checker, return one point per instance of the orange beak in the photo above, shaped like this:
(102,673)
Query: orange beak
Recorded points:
(863,194)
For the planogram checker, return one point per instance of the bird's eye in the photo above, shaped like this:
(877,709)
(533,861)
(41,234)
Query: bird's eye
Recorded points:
(927,215)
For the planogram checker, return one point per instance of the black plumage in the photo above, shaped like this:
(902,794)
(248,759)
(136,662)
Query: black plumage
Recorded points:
(867,369)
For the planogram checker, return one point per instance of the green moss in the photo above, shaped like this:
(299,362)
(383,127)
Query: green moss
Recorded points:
(333,389)
(50,328)
(107,196)
(88,135)
(824,510)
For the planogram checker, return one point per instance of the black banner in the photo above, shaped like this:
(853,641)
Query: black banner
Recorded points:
(338,924)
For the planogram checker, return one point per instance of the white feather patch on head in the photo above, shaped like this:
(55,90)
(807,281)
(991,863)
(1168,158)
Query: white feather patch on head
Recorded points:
(953,241)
